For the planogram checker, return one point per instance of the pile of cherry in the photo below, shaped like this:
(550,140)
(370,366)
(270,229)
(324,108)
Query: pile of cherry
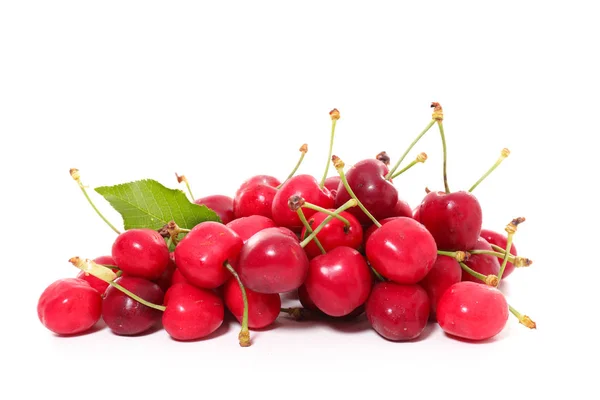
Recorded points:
(345,245)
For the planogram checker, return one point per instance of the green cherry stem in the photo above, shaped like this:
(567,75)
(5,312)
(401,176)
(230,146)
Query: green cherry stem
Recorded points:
(421,158)
(498,254)
(136,297)
(391,172)
(295,203)
(510,229)
(182,178)
(523,319)
(498,248)
(244,336)
(377,274)
(339,166)
(326,211)
(503,154)
(457,255)
(490,280)
(303,150)
(77,178)
(335,115)
(438,115)
(343,207)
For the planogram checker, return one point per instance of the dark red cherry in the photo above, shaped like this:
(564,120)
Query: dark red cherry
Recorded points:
(220,204)
(263,308)
(255,196)
(141,252)
(192,313)
(499,239)
(245,227)
(334,233)
(165,280)
(94,282)
(305,186)
(126,316)
(305,299)
(454,219)
(402,250)
(472,311)
(445,272)
(417,213)
(272,261)
(338,282)
(398,312)
(482,263)
(201,254)
(69,306)
(332,183)
(367,180)
(402,209)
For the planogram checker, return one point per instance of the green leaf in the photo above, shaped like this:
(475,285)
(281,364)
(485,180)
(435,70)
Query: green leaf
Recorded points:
(149,204)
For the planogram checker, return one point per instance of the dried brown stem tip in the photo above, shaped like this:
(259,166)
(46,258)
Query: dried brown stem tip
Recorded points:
(295,202)
(297,313)
(522,262)
(528,322)
(427,190)
(462,256)
(337,162)
(181,178)
(505,153)
(334,114)
(492,280)
(304,148)
(438,113)
(512,226)
(422,157)
(244,338)
(75,174)
(383,157)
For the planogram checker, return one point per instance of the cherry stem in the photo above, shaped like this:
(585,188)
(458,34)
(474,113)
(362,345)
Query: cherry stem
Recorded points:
(309,229)
(391,172)
(182,178)
(298,313)
(244,335)
(523,319)
(420,159)
(335,115)
(339,166)
(510,229)
(343,207)
(75,175)
(441,126)
(474,274)
(498,248)
(377,274)
(326,211)
(303,151)
(136,297)
(502,254)
(503,154)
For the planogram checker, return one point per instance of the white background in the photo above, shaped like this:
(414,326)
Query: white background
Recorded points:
(128,90)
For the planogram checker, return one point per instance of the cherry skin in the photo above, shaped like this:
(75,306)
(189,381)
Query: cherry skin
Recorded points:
(141,252)
(374,227)
(178,278)
(398,312)
(69,306)
(417,213)
(332,183)
(255,196)
(454,219)
(334,233)
(499,239)
(472,311)
(201,255)
(338,282)
(272,261)
(367,180)
(445,272)
(402,250)
(305,299)
(192,313)
(263,308)
(165,280)
(482,263)
(402,209)
(126,316)
(306,187)
(245,227)
(94,282)
(220,204)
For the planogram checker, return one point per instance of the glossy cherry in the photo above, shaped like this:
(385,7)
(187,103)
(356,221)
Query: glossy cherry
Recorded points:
(255,196)
(126,316)
(305,299)
(69,306)
(445,272)
(263,308)
(94,282)
(178,277)
(245,227)
(201,254)
(499,239)
(334,233)
(482,263)
(402,209)
(402,250)
(369,231)
(141,252)
(165,280)
(472,311)
(220,204)
(398,312)
(417,213)
(272,261)
(332,183)
(454,219)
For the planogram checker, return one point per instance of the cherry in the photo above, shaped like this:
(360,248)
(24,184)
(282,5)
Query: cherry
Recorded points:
(255,196)
(485,264)
(94,282)
(245,227)
(373,228)
(263,308)
(445,272)
(201,254)
(69,306)
(500,240)
(338,282)
(334,234)
(416,214)
(141,252)
(192,313)
(305,299)
(126,316)
(220,204)
(332,183)
(178,277)
(402,209)
(402,250)
(272,261)
(398,312)
(454,219)
(472,311)
(165,280)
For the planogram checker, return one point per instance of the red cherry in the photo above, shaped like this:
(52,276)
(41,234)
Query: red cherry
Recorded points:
(272,261)
(94,282)
(245,227)
(417,213)
(367,180)
(402,250)
(69,306)
(221,205)
(332,183)
(334,233)
(500,240)
(339,282)
(398,312)
(306,187)
(141,252)
(126,316)
(305,299)
(263,308)
(482,263)
(192,313)
(402,209)
(165,280)
(373,228)
(472,311)
(454,219)
(178,278)
(255,196)
(445,272)
(201,254)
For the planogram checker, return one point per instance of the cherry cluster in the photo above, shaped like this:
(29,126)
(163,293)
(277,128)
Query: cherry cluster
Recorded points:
(346,245)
